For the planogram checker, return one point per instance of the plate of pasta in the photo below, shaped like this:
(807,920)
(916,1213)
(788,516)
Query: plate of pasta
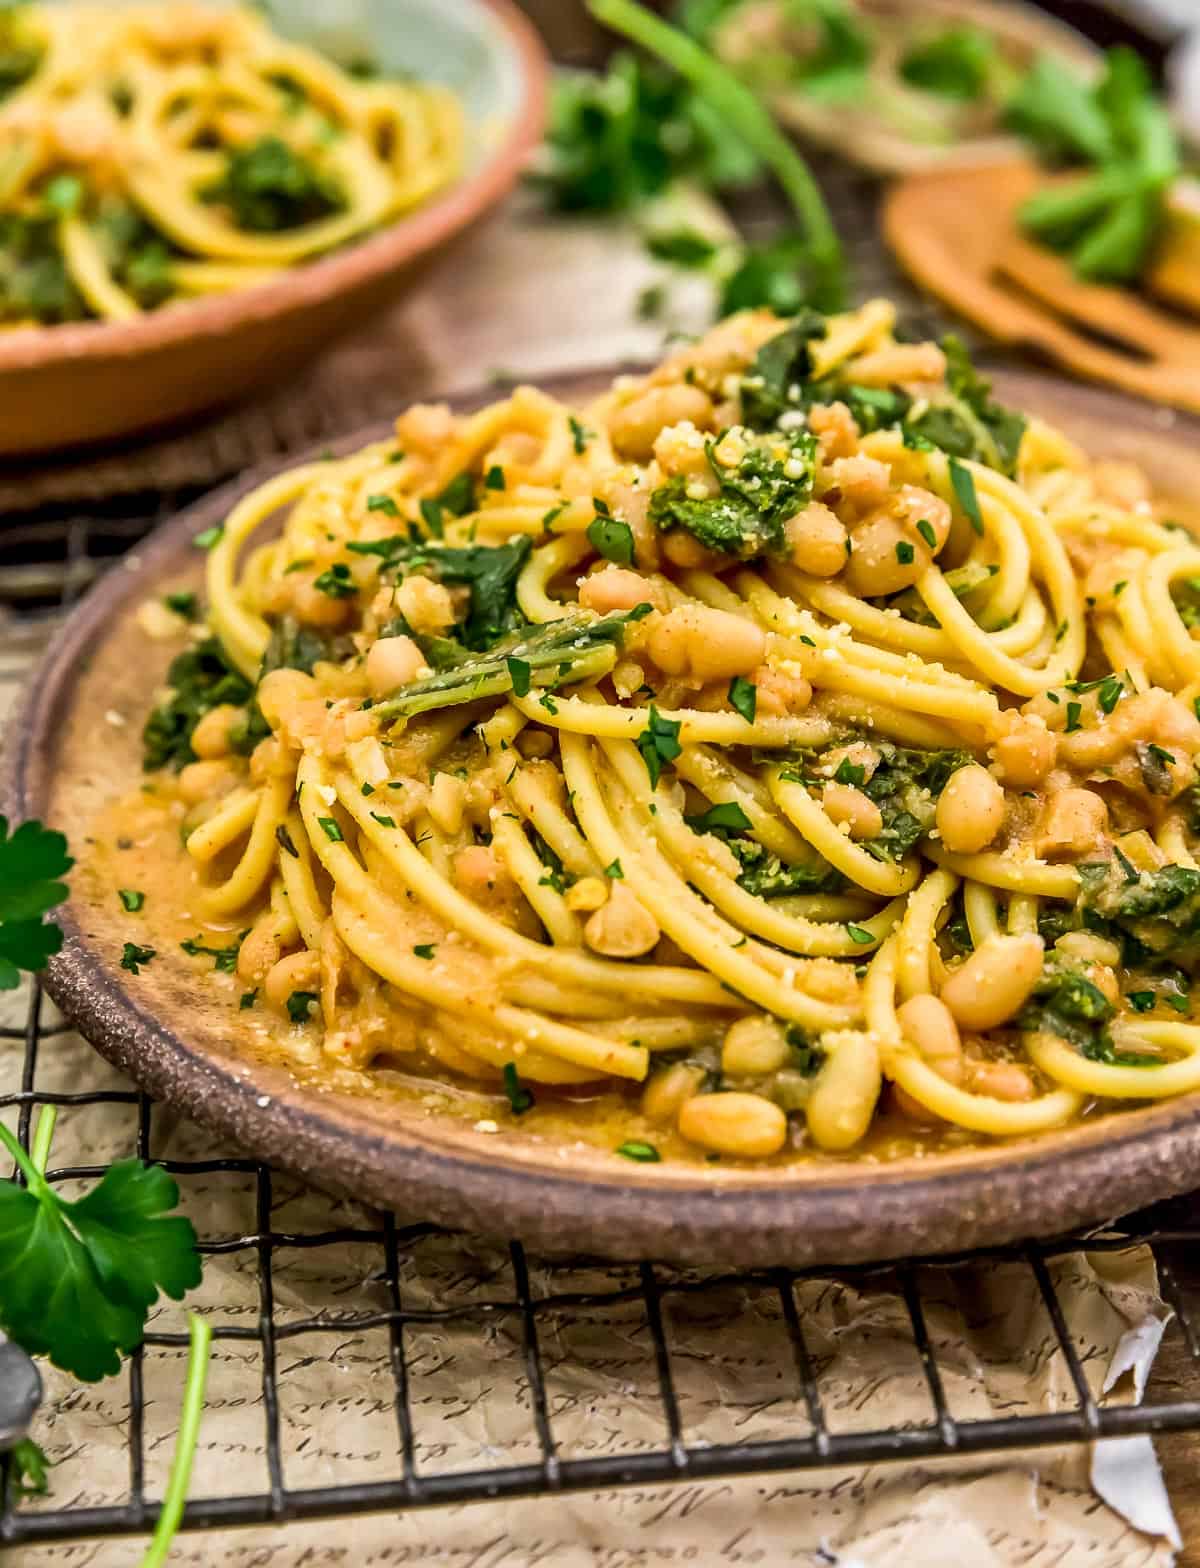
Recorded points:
(745,808)
(205,195)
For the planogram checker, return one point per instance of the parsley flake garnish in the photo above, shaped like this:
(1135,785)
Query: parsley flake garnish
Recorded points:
(520,1098)
(331,830)
(284,839)
(424,950)
(132,899)
(858,934)
(300,1005)
(963,482)
(612,539)
(635,1149)
(224,958)
(925,529)
(580,435)
(384,504)
(743,697)
(209,537)
(494,478)
(659,743)
(905,553)
(518,670)
(133,957)
(614,871)
(336,582)
(248,999)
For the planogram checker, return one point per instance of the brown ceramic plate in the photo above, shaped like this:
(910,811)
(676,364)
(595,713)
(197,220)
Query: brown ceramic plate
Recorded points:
(73,385)
(75,746)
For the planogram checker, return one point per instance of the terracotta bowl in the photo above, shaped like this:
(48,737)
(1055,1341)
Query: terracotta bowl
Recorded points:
(74,385)
(75,746)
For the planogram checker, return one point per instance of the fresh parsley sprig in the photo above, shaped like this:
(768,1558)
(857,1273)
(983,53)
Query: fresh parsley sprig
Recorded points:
(33,860)
(77,1277)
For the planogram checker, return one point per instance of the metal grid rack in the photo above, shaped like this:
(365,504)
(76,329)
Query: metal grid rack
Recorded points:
(650,1287)
(46,560)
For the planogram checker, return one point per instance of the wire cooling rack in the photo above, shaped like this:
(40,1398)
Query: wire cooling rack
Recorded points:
(647,1289)
(47,559)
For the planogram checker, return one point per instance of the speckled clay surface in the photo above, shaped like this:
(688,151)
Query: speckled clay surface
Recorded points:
(63,758)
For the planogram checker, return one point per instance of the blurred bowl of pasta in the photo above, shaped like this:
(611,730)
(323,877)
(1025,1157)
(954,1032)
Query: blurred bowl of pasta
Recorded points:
(195,199)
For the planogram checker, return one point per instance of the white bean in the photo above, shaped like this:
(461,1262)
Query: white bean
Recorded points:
(995,981)
(970,810)
(843,1099)
(744,1125)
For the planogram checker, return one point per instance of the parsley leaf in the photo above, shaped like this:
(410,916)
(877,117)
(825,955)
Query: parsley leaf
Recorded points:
(519,1097)
(77,1278)
(133,957)
(636,1149)
(658,743)
(300,1005)
(743,697)
(612,539)
(33,859)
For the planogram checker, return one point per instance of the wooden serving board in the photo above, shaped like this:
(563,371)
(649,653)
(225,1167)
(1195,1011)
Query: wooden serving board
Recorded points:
(955,230)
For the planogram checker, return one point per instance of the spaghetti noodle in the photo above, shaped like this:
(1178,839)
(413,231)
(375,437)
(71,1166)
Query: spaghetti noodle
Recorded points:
(151,153)
(792,732)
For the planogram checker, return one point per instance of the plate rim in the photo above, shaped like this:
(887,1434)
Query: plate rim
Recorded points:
(978,1197)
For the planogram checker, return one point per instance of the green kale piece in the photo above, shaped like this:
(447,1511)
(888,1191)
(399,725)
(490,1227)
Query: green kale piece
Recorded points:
(766,876)
(757,496)
(967,422)
(781,368)
(200,678)
(268,187)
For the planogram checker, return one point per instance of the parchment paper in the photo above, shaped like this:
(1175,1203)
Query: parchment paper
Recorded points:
(731,1360)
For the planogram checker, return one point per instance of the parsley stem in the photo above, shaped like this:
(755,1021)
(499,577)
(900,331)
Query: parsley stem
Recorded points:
(43,1135)
(199,1350)
(741,111)
(26,1166)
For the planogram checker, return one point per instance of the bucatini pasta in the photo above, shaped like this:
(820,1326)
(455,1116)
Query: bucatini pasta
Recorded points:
(793,740)
(154,152)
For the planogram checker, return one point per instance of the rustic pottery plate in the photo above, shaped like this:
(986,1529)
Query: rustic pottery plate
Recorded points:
(75,746)
(95,381)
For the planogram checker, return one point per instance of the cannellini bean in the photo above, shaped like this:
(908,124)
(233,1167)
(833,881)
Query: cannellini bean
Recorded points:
(282,691)
(1089,947)
(621,928)
(260,949)
(1072,824)
(708,644)
(315,608)
(970,810)
(425,605)
(298,972)
(202,780)
(844,803)
(393,662)
(616,588)
(929,1024)
(753,1047)
(634,426)
(744,1125)
(669,1088)
(888,551)
(1026,753)
(843,1098)
(835,429)
(816,539)
(780,691)
(995,982)
(1001,1081)
(210,738)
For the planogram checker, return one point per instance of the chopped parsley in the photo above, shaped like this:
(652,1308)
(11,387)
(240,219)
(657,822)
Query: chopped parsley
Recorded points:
(520,1099)
(284,839)
(132,899)
(580,435)
(612,539)
(636,1149)
(384,504)
(743,697)
(925,529)
(963,483)
(336,582)
(658,743)
(206,539)
(331,829)
(133,957)
(494,478)
(424,950)
(300,1005)
(614,871)
(224,958)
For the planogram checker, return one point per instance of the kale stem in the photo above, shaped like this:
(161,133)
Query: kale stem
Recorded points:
(43,1136)
(200,1347)
(28,1169)
(741,110)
